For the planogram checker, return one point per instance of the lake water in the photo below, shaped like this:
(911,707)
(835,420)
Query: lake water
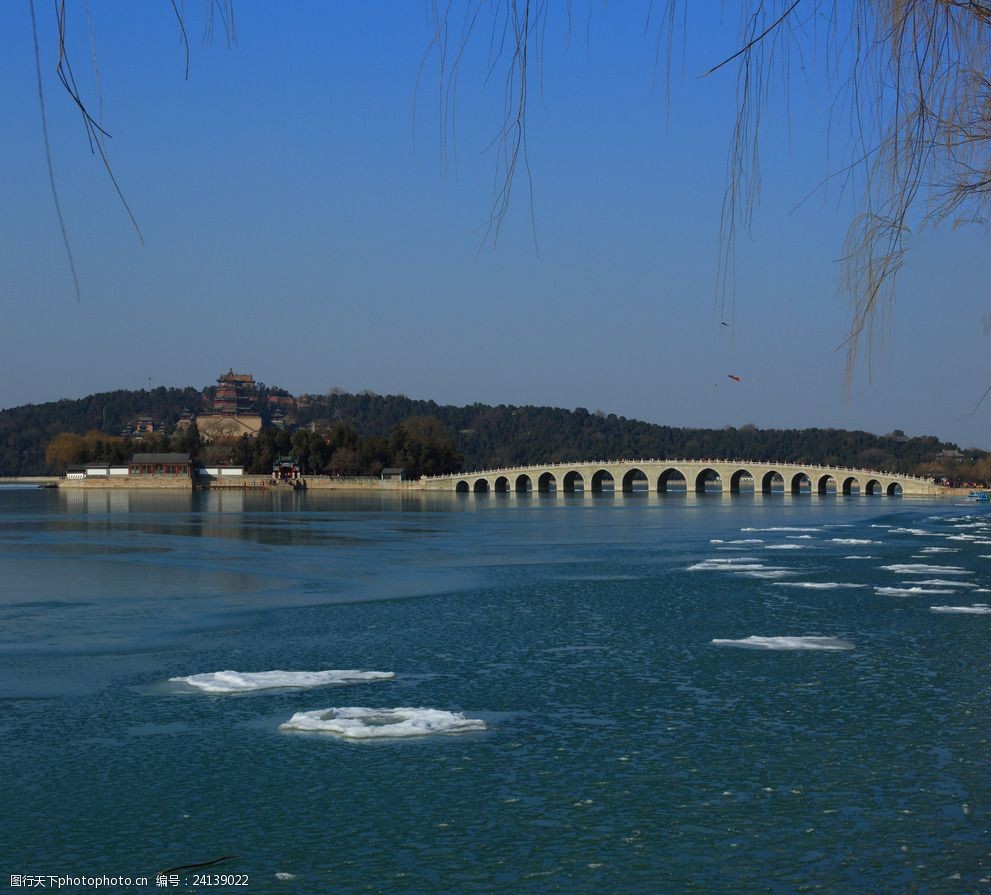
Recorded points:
(834,738)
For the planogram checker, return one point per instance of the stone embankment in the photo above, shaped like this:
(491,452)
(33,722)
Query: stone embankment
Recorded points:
(230,483)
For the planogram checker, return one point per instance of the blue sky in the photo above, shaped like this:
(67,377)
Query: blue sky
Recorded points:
(301,225)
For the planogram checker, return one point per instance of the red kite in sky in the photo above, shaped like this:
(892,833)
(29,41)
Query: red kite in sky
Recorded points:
(735,378)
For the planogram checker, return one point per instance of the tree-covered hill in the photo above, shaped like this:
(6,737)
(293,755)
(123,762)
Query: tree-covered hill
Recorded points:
(25,431)
(485,436)
(507,435)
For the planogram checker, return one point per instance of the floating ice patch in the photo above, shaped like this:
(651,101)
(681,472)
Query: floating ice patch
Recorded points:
(737,541)
(940,550)
(786,547)
(800,537)
(945,582)
(853,541)
(788,643)
(973,609)
(912,592)
(918,532)
(725,564)
(245,681)
(864,556)
(358,723)
(818,585)
(739,565)
(783,528)
(918,568)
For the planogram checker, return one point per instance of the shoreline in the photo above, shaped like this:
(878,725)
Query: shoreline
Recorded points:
(264,483)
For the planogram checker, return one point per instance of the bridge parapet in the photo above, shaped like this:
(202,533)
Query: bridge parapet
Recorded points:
(696,474)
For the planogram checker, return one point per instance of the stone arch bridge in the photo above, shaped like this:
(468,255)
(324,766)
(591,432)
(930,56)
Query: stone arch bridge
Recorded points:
(699,476)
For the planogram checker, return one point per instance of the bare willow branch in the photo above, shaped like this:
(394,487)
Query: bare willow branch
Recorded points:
(48,152)
(95,131)
(516,38)
(913,76)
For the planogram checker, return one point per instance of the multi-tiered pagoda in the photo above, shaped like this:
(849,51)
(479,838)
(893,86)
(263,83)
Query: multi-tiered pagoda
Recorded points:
(234,413)
(235,394)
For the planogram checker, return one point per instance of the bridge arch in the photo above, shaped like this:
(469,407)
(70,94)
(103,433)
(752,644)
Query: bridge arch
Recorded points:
(707,476)
(738,477)
(633,478)
(684,475)
(770,479)
(671,479)
(571,479)
(602,480)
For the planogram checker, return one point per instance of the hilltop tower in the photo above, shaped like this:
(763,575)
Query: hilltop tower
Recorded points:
(234,412)
(235,394)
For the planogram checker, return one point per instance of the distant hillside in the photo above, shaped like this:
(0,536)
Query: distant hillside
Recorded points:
(485,436)
(507,435)
(25,430)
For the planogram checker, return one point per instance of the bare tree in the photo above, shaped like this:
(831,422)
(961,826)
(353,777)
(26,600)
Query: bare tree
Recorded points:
(96,133)
(912,105)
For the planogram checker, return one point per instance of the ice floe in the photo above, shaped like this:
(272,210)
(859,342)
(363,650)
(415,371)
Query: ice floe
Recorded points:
(940,550)
(973,609)
(945,582)
(246,681)
(783,528)
(359,723)
(918,568)
(912,592)
(818,585)
(739,565)
(853,541)
(862,556)
(786,547)
(788,643)
(725,564)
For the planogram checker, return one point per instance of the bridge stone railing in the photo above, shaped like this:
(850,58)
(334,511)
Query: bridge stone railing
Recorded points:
(654,469)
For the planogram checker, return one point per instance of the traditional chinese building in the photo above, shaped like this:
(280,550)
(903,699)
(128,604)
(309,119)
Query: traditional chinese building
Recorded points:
(235,395)
(285,469)
(173,465)
(234,412)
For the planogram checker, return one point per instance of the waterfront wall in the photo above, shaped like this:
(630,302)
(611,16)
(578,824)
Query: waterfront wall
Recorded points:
(132,483)
(240,483)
